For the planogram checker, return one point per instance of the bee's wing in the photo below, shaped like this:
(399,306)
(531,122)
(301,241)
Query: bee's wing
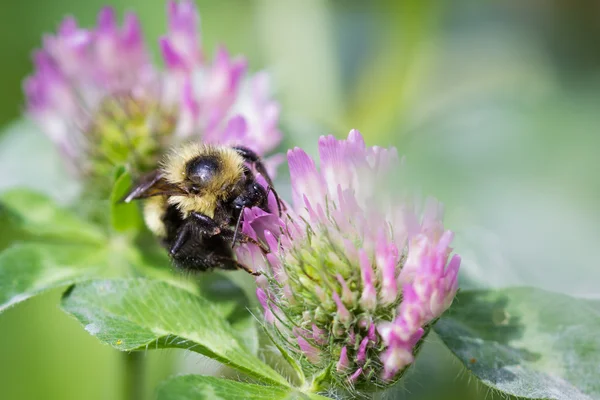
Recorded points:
(152,184)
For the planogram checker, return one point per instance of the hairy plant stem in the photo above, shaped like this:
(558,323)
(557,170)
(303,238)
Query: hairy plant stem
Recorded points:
(134,384)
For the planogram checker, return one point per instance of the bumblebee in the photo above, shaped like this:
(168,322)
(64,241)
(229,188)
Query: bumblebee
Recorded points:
(195,202)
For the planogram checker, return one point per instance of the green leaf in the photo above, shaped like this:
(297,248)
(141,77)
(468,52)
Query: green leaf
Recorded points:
(123,216)
(138,314)
(211,388)
(233,304)
(28,158)
(527,342)
(25,213)
(208,387)
(27,269)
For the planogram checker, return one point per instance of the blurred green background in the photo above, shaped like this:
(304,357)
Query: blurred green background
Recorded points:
(496,106)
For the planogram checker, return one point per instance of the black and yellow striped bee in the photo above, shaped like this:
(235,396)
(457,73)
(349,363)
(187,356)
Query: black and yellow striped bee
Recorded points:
(195,202)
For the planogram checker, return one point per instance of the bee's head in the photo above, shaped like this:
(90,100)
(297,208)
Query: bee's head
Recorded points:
(200,169)
(201,173)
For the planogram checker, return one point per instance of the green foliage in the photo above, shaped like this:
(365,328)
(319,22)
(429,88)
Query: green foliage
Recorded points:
(30,215)
(45,247)
(527,342)
(206,387)
(27,269)
(140,314)
(233,302)
(123,216)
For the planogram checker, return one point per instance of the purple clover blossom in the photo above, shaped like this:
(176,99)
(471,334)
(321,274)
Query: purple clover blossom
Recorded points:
(356,275)
(99,98)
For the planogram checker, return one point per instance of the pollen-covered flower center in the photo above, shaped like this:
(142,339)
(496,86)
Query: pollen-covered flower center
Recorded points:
(129,131)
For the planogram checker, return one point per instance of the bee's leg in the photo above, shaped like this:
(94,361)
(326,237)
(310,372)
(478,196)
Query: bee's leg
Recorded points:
(241,237)
(195,223)
(230,263)
(181,237)
(247,269)
(237,226)
(205,224)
